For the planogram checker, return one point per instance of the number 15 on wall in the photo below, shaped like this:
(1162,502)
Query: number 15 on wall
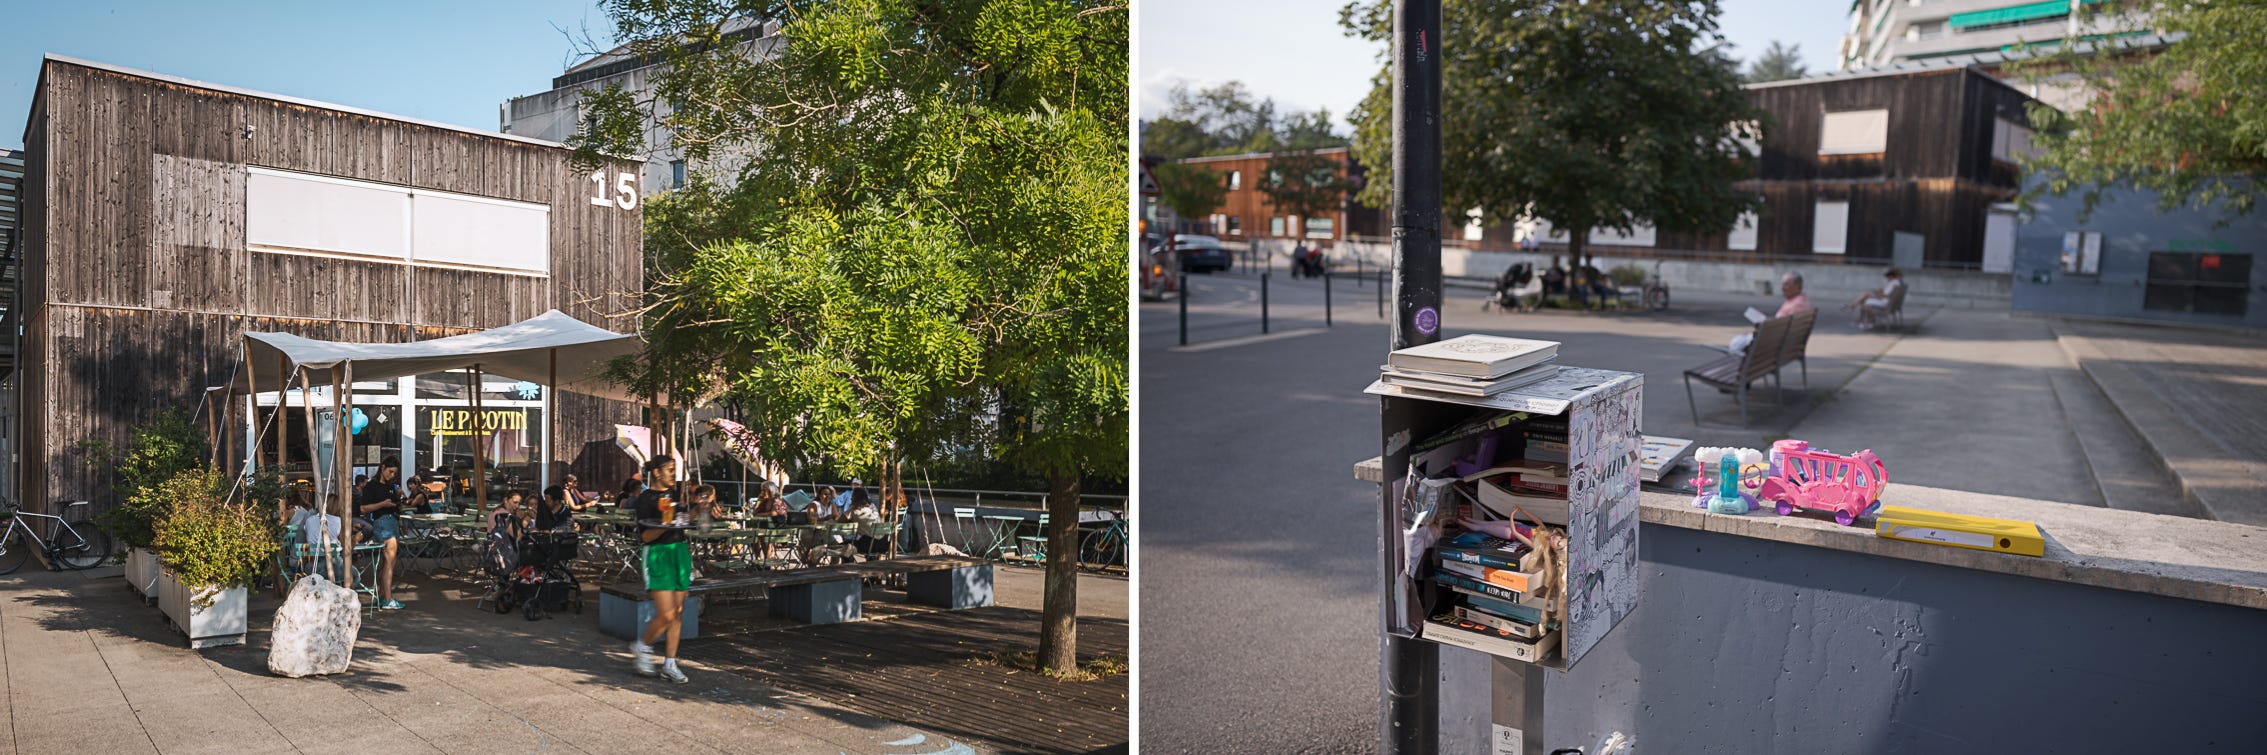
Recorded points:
(625,193)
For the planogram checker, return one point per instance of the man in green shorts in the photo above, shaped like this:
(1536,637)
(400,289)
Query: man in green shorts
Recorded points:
(662,517)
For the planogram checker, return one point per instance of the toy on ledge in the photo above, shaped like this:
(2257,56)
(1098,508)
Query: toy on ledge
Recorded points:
(1737,473)
(1802,479)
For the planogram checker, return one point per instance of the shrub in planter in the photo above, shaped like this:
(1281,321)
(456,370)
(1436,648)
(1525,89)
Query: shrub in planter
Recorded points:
(208,541)
(158,451)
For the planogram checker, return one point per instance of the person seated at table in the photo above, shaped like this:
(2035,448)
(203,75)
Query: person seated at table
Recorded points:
(863,512)
(630,490)
(577,500)
(768,503)
(557,510)
(508,514)
(825,509)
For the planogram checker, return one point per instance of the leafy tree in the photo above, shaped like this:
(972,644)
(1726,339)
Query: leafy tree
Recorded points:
(1606,114)
(1778,63)
(157,450)
(2189,124)
(1227,120)
(1193,191)
(923,251)
(1304,183)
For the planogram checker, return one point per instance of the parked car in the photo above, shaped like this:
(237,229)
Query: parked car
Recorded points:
(1202,254)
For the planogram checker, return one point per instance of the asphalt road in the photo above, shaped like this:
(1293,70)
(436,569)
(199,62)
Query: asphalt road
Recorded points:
(1258,549)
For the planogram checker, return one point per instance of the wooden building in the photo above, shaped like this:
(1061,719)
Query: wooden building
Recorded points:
(163,218)
(1246,213)
(1885,167)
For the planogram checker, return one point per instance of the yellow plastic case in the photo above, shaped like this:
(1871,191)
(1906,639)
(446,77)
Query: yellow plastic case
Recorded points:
(1960,531)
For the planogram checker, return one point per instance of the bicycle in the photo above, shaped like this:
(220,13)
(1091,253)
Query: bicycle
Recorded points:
(76,547)
(1104,547)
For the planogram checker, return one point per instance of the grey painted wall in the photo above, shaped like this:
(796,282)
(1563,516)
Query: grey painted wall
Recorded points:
(1741,645)
(2131,229)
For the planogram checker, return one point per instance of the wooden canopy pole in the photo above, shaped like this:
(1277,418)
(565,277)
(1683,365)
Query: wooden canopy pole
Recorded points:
(251,379)
(307,403)
(342,444)
(283,383)
(551,425)
(479,445)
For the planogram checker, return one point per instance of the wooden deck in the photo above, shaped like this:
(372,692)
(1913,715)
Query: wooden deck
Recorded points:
(922,669)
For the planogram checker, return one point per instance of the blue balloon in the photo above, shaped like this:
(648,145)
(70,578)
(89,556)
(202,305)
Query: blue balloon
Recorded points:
(358,421)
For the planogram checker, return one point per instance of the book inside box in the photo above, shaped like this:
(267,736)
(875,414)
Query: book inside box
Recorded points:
(1514,514)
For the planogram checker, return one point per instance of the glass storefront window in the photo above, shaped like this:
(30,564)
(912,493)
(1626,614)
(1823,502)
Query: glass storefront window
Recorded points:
(450,386)
(514,447)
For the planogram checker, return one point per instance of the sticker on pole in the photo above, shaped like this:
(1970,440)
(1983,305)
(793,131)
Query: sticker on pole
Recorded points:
(1428,320)
(1508,741)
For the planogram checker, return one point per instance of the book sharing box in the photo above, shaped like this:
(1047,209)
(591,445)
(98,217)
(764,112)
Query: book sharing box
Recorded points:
(1515,513)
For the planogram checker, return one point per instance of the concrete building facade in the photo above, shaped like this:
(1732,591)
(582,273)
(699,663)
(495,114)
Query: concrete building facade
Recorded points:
(1888,32)
(557,114)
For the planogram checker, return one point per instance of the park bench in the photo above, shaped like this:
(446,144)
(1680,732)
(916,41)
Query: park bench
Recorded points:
(1777,342)
(953,582)
(812,596)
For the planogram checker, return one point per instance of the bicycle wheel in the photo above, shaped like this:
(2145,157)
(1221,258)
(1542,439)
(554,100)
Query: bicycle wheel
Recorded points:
(79,545)
(14,551)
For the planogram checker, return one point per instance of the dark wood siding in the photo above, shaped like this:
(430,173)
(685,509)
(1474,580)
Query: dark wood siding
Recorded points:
(138,282)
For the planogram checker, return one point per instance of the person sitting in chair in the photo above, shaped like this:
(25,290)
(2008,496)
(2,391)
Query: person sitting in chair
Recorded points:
(1874,305)
(557,511)
(1793,302)
(863,512)
(768,503)
(1554,279)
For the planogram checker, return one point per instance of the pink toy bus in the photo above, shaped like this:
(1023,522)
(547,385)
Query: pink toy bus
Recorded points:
(1802,479)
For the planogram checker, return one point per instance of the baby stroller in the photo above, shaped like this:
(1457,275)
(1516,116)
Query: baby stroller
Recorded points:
(530,573)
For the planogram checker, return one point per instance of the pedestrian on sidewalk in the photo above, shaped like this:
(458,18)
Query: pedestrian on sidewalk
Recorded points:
(662,519)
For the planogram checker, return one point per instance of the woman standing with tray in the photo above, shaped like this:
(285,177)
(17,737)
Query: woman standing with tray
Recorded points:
(662,522)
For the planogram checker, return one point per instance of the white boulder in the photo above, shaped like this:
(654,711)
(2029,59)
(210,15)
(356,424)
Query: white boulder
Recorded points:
(314,631)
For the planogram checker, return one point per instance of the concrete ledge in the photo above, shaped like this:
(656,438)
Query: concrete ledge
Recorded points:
(965,587)
(2169,556)
(622,618)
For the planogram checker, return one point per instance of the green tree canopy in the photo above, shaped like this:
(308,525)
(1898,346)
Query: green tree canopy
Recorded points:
(1193,191)
(2189,124)
(924,248)
(1778,63)
(1605,114)
(1227,119)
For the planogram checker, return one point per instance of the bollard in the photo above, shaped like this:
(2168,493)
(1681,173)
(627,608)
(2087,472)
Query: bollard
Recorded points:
(1381,294)
(1326,299)
(1183,295)
(1263,301)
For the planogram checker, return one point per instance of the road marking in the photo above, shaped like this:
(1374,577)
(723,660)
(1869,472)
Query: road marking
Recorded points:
(1246,340)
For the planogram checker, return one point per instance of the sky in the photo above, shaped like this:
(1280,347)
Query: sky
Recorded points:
(1295,52)
(452,62)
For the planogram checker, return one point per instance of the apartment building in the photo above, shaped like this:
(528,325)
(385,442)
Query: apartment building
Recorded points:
(1889,32)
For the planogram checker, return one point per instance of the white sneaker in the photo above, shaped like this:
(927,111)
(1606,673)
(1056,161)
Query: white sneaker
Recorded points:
(644,655)
(669,671)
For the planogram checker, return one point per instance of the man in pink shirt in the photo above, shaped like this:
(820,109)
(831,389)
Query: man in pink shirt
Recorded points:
(1791,288)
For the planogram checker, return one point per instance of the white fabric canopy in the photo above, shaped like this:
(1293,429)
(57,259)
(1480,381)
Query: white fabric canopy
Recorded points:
(523,350)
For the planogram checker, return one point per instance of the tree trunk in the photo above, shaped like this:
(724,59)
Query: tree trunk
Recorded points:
(1058,625)
(1576,239)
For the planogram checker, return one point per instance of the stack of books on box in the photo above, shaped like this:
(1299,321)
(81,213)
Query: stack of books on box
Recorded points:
(1489,580)
(1471,366)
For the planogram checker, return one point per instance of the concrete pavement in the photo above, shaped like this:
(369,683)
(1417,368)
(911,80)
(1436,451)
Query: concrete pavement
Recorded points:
(1259,568)
(2196,396)
(84,666)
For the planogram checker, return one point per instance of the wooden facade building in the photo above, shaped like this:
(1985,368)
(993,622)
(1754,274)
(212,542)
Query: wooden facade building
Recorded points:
(1881,167)
(161,215)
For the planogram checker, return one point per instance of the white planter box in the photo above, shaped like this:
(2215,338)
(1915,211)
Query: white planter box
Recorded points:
(141,572)
(219,622)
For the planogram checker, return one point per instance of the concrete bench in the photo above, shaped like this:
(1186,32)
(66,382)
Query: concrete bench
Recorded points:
(812,596)
(953,582)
